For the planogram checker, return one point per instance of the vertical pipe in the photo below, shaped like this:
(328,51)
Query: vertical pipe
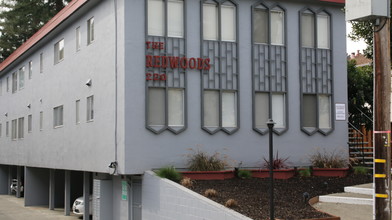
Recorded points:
(270,125)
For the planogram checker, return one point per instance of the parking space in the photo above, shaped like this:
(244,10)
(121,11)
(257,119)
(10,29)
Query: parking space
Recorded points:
(12,208)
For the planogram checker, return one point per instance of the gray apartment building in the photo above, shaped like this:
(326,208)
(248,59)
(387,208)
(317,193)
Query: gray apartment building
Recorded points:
(109,89)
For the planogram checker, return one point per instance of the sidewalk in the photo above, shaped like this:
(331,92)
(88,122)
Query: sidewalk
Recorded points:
(12,208)
(346,211)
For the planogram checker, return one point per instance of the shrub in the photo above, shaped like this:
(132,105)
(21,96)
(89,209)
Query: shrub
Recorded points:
(244,174)
(210,193)
(304,173)
(201,161)
(326,159)
(277,163)
(231,203)
(361,170)
(169,173)
(187,182)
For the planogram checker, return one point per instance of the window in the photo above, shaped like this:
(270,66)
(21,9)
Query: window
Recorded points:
(58,116)
(90,31)
(220,82)
(14,127)
(228,21)
(269,68)
(7,127)
(41,121)
(156,101)
(176,107)
(90,108)
(316,72)
(78,39)
(14,82)
(59,51)
(1,87)
(21,128)
(41,63)
(0,129)
(77,110)
(29,123)
(8,84)
(21,78)
(158,17)
(30,69)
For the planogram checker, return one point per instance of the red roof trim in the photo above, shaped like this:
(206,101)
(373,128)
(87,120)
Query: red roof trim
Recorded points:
(335,1)
(41,33)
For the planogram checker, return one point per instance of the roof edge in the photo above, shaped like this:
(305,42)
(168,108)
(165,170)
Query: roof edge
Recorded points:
(65,13)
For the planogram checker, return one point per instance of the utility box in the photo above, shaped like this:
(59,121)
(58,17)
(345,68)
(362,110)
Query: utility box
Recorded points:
(361,10)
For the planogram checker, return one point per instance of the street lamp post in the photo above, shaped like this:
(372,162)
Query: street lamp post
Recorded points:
(270,124)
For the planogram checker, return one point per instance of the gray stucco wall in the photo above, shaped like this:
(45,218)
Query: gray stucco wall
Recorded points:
(145,150)
(84,146)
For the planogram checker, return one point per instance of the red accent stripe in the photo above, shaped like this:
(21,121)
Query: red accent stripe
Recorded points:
(41,33)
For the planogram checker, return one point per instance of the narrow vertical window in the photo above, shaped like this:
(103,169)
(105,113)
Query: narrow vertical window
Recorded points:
(1,126)
(220,82)
(323,31)
(307,29)
(158,18)
(7,127)
(90,31)
(90,108)
(316,72)
(41,121)
(210,21)
(41,62)
(21,128)
(58,116)
(14,82)
(21,78)
(8,84)
(176,107)
(14,127)
(30,69)
(77,110)
(277,27)
(156,21)
(1,87)
(261,110)
(78,39)
(29,123)
(260,25)
(156,110)
(228,22)
(59,51)
(175,18)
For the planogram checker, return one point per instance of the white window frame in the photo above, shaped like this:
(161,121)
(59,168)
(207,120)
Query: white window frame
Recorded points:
(90,31)
(29,123)
(21,77)
(90,109)
(58,116)
(59,51)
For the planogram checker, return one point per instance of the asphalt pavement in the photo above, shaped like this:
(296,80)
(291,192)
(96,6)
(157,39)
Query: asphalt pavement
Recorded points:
(12,208)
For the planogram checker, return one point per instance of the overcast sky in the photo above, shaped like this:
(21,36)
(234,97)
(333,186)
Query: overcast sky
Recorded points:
(353,46)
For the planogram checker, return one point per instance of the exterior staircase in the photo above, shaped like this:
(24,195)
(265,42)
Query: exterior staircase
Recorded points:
(360,146)
(357,195)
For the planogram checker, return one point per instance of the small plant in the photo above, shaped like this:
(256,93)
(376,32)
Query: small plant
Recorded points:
(244,174)
(277,163)
(327,160)
(231,203)
(201,161)
(169,173)
(361,170)
(210,193)
(187,182)
(304,173)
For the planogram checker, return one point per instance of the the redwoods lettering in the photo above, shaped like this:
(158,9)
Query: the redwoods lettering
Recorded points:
(172,62)
(177,62)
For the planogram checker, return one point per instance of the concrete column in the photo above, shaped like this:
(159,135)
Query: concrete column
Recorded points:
(19,178)
(9,180)
(86,195)
(51,189)
(4,180)
(67,192)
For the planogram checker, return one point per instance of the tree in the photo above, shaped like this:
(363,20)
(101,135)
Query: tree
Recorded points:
(20,19)
(363,30)
(360,94)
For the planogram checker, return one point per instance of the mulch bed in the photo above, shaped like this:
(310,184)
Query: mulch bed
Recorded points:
(252,195)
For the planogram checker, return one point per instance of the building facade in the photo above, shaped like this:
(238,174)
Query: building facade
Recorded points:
(109,89)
